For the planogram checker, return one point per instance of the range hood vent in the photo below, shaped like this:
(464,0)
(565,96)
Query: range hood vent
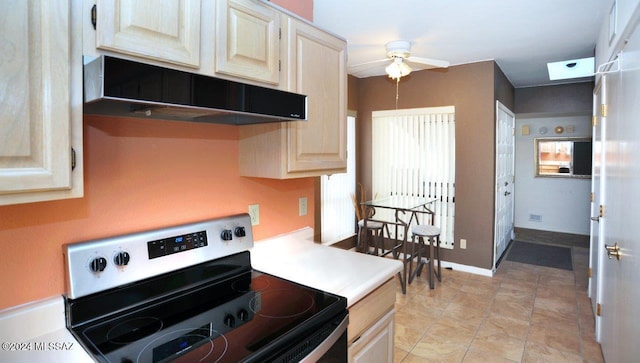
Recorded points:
(119,87)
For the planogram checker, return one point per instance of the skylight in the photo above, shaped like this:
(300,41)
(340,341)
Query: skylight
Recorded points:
(573,68)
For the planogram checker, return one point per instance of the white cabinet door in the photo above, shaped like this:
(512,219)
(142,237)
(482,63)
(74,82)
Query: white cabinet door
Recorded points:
(376,344)
(163,30)
(248,41)
(40,101)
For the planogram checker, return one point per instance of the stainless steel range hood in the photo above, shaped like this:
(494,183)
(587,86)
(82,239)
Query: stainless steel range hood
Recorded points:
(119,87)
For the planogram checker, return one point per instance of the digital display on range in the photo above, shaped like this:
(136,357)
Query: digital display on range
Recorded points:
(183,343)
(176,244)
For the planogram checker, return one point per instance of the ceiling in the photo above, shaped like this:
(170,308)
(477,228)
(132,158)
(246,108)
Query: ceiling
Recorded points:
(520,35)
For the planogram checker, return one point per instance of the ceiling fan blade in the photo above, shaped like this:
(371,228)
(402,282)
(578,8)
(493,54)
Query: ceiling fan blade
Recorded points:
(433,63)
(357,68)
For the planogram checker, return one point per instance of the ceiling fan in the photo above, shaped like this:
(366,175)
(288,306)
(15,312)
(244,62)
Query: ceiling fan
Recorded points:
(398,52)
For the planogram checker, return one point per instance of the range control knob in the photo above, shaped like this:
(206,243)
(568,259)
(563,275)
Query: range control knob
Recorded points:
(98,264)
(229,321)
(121,258)
(243,315)
(240,231)
(226,235)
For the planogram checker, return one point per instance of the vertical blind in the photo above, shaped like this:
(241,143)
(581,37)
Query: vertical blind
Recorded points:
(338,218)
(414,155)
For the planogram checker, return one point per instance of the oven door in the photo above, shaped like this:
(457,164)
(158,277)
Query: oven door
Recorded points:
(326,344)
(333,348)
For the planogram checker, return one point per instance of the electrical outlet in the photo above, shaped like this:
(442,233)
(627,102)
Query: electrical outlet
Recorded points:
(302,206)
(254,213)
(463,243)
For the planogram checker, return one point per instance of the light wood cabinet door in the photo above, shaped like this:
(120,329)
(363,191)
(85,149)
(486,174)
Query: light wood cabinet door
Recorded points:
(316,65)
(248,41)
(40,101)
(162,30)
(376,344)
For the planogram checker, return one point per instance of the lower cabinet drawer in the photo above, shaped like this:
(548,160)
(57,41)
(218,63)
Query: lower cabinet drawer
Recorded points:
(370,309)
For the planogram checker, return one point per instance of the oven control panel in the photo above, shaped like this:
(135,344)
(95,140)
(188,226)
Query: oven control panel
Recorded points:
(98,265)
(177,244)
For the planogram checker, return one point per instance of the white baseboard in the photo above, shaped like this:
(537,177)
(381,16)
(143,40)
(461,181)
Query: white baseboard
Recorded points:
(466,268)
(460,267)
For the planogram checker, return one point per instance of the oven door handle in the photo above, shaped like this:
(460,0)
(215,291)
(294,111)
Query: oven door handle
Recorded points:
(324,347)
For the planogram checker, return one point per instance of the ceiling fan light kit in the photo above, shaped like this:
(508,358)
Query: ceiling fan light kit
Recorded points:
(397,69)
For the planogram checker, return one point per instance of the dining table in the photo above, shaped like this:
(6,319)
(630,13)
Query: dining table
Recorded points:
(398,214)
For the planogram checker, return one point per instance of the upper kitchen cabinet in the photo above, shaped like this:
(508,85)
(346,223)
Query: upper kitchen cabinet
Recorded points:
(611,39)
(248,41)
(315,62)
(160,30)
(40,101)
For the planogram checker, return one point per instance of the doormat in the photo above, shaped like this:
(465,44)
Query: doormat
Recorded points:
(541,255)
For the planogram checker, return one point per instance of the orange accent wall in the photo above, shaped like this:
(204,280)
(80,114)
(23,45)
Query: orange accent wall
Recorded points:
(140,174)
(143,174)
(303,8)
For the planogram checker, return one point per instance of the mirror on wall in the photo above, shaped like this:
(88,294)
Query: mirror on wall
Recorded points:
(563,157)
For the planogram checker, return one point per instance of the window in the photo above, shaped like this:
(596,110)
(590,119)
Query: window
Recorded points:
(563,157)
(414,155)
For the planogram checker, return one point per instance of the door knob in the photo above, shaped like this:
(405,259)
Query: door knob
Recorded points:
(595,219)
(613,251)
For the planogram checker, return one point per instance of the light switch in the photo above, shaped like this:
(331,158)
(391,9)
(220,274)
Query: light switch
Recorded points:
(525,130)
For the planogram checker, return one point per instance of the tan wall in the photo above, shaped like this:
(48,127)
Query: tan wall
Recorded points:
(472,89)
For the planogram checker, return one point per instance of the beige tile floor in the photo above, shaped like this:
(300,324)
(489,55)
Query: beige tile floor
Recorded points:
(525,313)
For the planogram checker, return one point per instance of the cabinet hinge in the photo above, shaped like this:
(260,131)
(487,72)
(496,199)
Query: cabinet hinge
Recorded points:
(94,16)
(279,33)
(598,309)
(604,109)
(601,211)
(592,197)
(590,272)
(594,120)
(73,159)
(279,66)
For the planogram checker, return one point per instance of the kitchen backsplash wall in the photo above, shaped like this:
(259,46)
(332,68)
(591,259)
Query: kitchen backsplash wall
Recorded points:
(140,174)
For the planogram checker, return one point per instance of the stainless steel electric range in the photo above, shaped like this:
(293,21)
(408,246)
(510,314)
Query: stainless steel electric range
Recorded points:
(188,294)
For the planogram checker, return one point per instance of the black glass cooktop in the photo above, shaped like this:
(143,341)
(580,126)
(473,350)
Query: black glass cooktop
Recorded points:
(246,316)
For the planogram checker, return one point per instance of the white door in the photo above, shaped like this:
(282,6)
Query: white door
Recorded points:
(505,176)
(597,188)
(620,313)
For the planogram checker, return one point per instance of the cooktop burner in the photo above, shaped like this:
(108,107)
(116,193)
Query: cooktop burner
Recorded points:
(292,303)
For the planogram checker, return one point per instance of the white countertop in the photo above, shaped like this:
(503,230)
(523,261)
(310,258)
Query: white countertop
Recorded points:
(36,332)
(294,256)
